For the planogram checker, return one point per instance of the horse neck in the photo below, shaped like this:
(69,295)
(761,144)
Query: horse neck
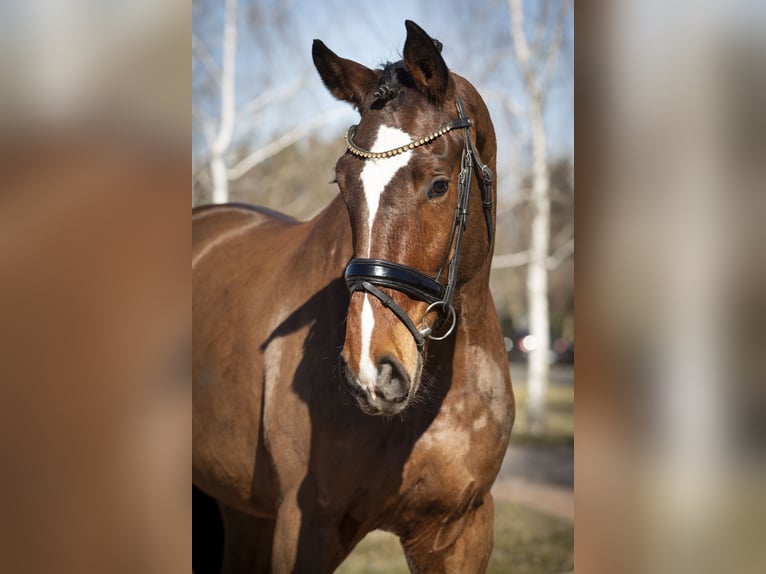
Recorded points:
(471,299)
(448,362)
(332,230)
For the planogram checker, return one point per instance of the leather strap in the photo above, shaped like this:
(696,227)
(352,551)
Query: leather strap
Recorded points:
(395,276)
(366,286)
(487,178)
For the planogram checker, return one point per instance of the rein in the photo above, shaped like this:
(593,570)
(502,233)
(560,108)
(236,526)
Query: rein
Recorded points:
(369,275)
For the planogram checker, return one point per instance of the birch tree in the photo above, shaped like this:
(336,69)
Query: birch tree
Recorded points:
(219,134)
(536,66)
(220,145)
(234,123)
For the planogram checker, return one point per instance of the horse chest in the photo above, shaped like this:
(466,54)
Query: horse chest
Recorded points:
(459,449)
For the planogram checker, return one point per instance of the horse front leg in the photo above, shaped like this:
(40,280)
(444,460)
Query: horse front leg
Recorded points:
(457,547)
(248,543)
(306,540)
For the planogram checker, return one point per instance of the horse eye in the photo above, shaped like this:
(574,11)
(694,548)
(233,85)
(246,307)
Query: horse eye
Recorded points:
(438,188)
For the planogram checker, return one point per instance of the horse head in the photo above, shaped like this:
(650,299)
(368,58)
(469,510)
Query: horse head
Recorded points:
(421,207)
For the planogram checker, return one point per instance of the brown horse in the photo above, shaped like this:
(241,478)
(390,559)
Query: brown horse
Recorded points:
(292,356)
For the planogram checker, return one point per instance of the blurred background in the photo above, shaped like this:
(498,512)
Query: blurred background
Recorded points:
(266,131)
(95,290)
(671,387)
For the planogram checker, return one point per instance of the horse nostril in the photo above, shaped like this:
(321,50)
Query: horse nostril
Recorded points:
(392,383)
(385,371)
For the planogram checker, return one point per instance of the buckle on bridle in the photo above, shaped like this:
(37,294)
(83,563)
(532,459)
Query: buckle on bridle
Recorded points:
(487,175)
(426,331)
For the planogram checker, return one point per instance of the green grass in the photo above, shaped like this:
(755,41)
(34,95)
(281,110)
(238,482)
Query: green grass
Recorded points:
(378,553)
(526,542)
(530,542)
(559,422)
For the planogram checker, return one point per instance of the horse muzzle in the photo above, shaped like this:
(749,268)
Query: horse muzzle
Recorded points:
(388,394)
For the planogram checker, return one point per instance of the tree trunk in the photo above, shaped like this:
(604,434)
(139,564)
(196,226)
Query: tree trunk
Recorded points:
(220,177)
(218,169)
(537,275)
(537,269)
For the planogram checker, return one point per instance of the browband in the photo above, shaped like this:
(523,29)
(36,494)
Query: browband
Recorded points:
(367,154)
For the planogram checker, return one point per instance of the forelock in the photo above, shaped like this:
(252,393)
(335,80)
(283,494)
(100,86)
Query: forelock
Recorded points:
(393,78)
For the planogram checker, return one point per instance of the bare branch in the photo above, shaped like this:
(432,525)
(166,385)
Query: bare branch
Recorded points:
(248,117)
(521,47)
(554,47)
(510,260)
(270,96)
(566,232)
(540,26)
(207,60)
(507,206)
(283,142)
(512,105)
(205,124)
(561,254)
(535,84)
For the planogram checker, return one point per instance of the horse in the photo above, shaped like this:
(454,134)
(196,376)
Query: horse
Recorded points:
(349,372)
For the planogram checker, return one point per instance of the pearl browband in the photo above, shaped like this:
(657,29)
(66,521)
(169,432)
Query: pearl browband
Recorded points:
(367,154)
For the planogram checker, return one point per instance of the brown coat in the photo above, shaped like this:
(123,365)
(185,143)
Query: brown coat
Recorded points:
(300,472)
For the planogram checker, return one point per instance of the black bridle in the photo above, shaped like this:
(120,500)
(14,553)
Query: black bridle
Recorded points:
(369,275)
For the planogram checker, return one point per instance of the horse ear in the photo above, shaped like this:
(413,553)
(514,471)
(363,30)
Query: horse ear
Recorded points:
(346,80)
(425,63)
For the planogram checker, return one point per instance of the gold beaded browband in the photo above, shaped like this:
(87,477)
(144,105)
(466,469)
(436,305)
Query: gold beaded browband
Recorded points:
(367,154)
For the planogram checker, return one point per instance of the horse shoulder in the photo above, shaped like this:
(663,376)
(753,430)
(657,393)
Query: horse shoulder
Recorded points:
(456,460)
(231,252)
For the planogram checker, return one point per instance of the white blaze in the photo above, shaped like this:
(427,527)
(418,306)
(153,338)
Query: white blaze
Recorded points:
(368,372)
(375,176)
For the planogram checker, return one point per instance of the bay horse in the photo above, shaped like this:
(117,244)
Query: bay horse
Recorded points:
(349,371)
